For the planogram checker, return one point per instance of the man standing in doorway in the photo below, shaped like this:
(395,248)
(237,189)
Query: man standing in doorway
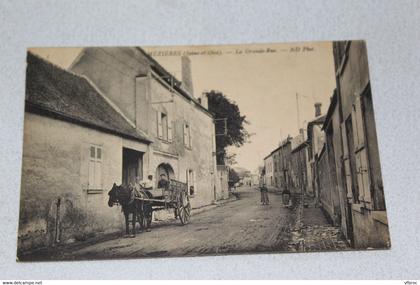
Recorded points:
(163,182)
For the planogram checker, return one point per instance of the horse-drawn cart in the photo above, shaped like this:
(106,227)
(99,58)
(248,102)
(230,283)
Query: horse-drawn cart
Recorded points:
(175,196)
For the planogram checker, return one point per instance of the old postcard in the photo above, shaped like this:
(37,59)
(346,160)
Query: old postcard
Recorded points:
(133,152)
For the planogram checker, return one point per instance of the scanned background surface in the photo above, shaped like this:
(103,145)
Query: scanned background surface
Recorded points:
(392,41)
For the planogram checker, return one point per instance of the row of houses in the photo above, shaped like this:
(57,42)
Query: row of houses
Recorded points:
(115,115)
(337,160)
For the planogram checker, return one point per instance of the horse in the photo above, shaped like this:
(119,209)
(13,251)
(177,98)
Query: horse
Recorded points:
(141,210)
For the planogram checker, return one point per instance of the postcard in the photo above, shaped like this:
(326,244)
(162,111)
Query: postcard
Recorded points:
(163,151)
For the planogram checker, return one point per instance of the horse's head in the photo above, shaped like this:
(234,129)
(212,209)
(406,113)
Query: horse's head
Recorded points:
(113,198)
(119,194)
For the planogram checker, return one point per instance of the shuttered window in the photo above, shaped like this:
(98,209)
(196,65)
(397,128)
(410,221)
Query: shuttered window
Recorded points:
(164,127)
(95,167)
(360,152)
(187,136)
(159,124)
(349,160)
(170,126)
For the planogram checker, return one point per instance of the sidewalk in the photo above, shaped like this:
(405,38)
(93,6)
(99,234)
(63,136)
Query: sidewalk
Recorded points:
(313,232)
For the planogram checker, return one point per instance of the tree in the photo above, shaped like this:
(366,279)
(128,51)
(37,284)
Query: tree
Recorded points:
(236,135)
(233,176)
(231,158)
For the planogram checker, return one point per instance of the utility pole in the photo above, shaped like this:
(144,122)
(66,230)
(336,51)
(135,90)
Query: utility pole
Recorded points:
(298,113)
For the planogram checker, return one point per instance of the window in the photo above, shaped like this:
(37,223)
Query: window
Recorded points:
(164,119)
(187,136)
(164,127)
(191,182)
(95,168)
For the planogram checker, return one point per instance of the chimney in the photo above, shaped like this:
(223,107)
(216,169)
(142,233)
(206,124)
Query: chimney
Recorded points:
(317,109)
(204,100)
(301,135)
(186,75)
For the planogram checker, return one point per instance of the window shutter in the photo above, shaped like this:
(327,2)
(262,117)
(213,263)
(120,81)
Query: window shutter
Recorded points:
(159,125)
(91,174)
(361,155)
(354,125)
(187,179)
(346,162)
(185,134)
(189,137)
(359,121)
(95,168)
(170,135)
(364,175)
(98,168)
(98,175)
(193,182)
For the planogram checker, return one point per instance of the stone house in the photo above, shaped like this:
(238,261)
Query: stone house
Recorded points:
(299,162)
(76,145)
(279,164)
(360,171)
(165,109)
(116,115)
(269,171)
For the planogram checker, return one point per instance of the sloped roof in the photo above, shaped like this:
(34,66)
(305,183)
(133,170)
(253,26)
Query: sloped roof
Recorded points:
(177,84)
(57,93)
(300,146)
(318,121)
(283,144)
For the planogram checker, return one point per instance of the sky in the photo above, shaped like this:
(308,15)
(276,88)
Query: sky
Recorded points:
(267,81)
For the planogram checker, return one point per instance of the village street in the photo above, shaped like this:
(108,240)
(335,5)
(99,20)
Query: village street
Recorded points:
(242,225)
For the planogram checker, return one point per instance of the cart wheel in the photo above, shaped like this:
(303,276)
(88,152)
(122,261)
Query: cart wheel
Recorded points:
(184,209)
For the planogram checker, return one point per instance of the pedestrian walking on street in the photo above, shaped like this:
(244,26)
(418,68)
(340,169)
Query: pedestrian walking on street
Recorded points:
(264,195)
(264,191)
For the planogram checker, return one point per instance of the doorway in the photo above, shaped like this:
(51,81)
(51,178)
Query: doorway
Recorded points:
(132,166)
(164,168)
